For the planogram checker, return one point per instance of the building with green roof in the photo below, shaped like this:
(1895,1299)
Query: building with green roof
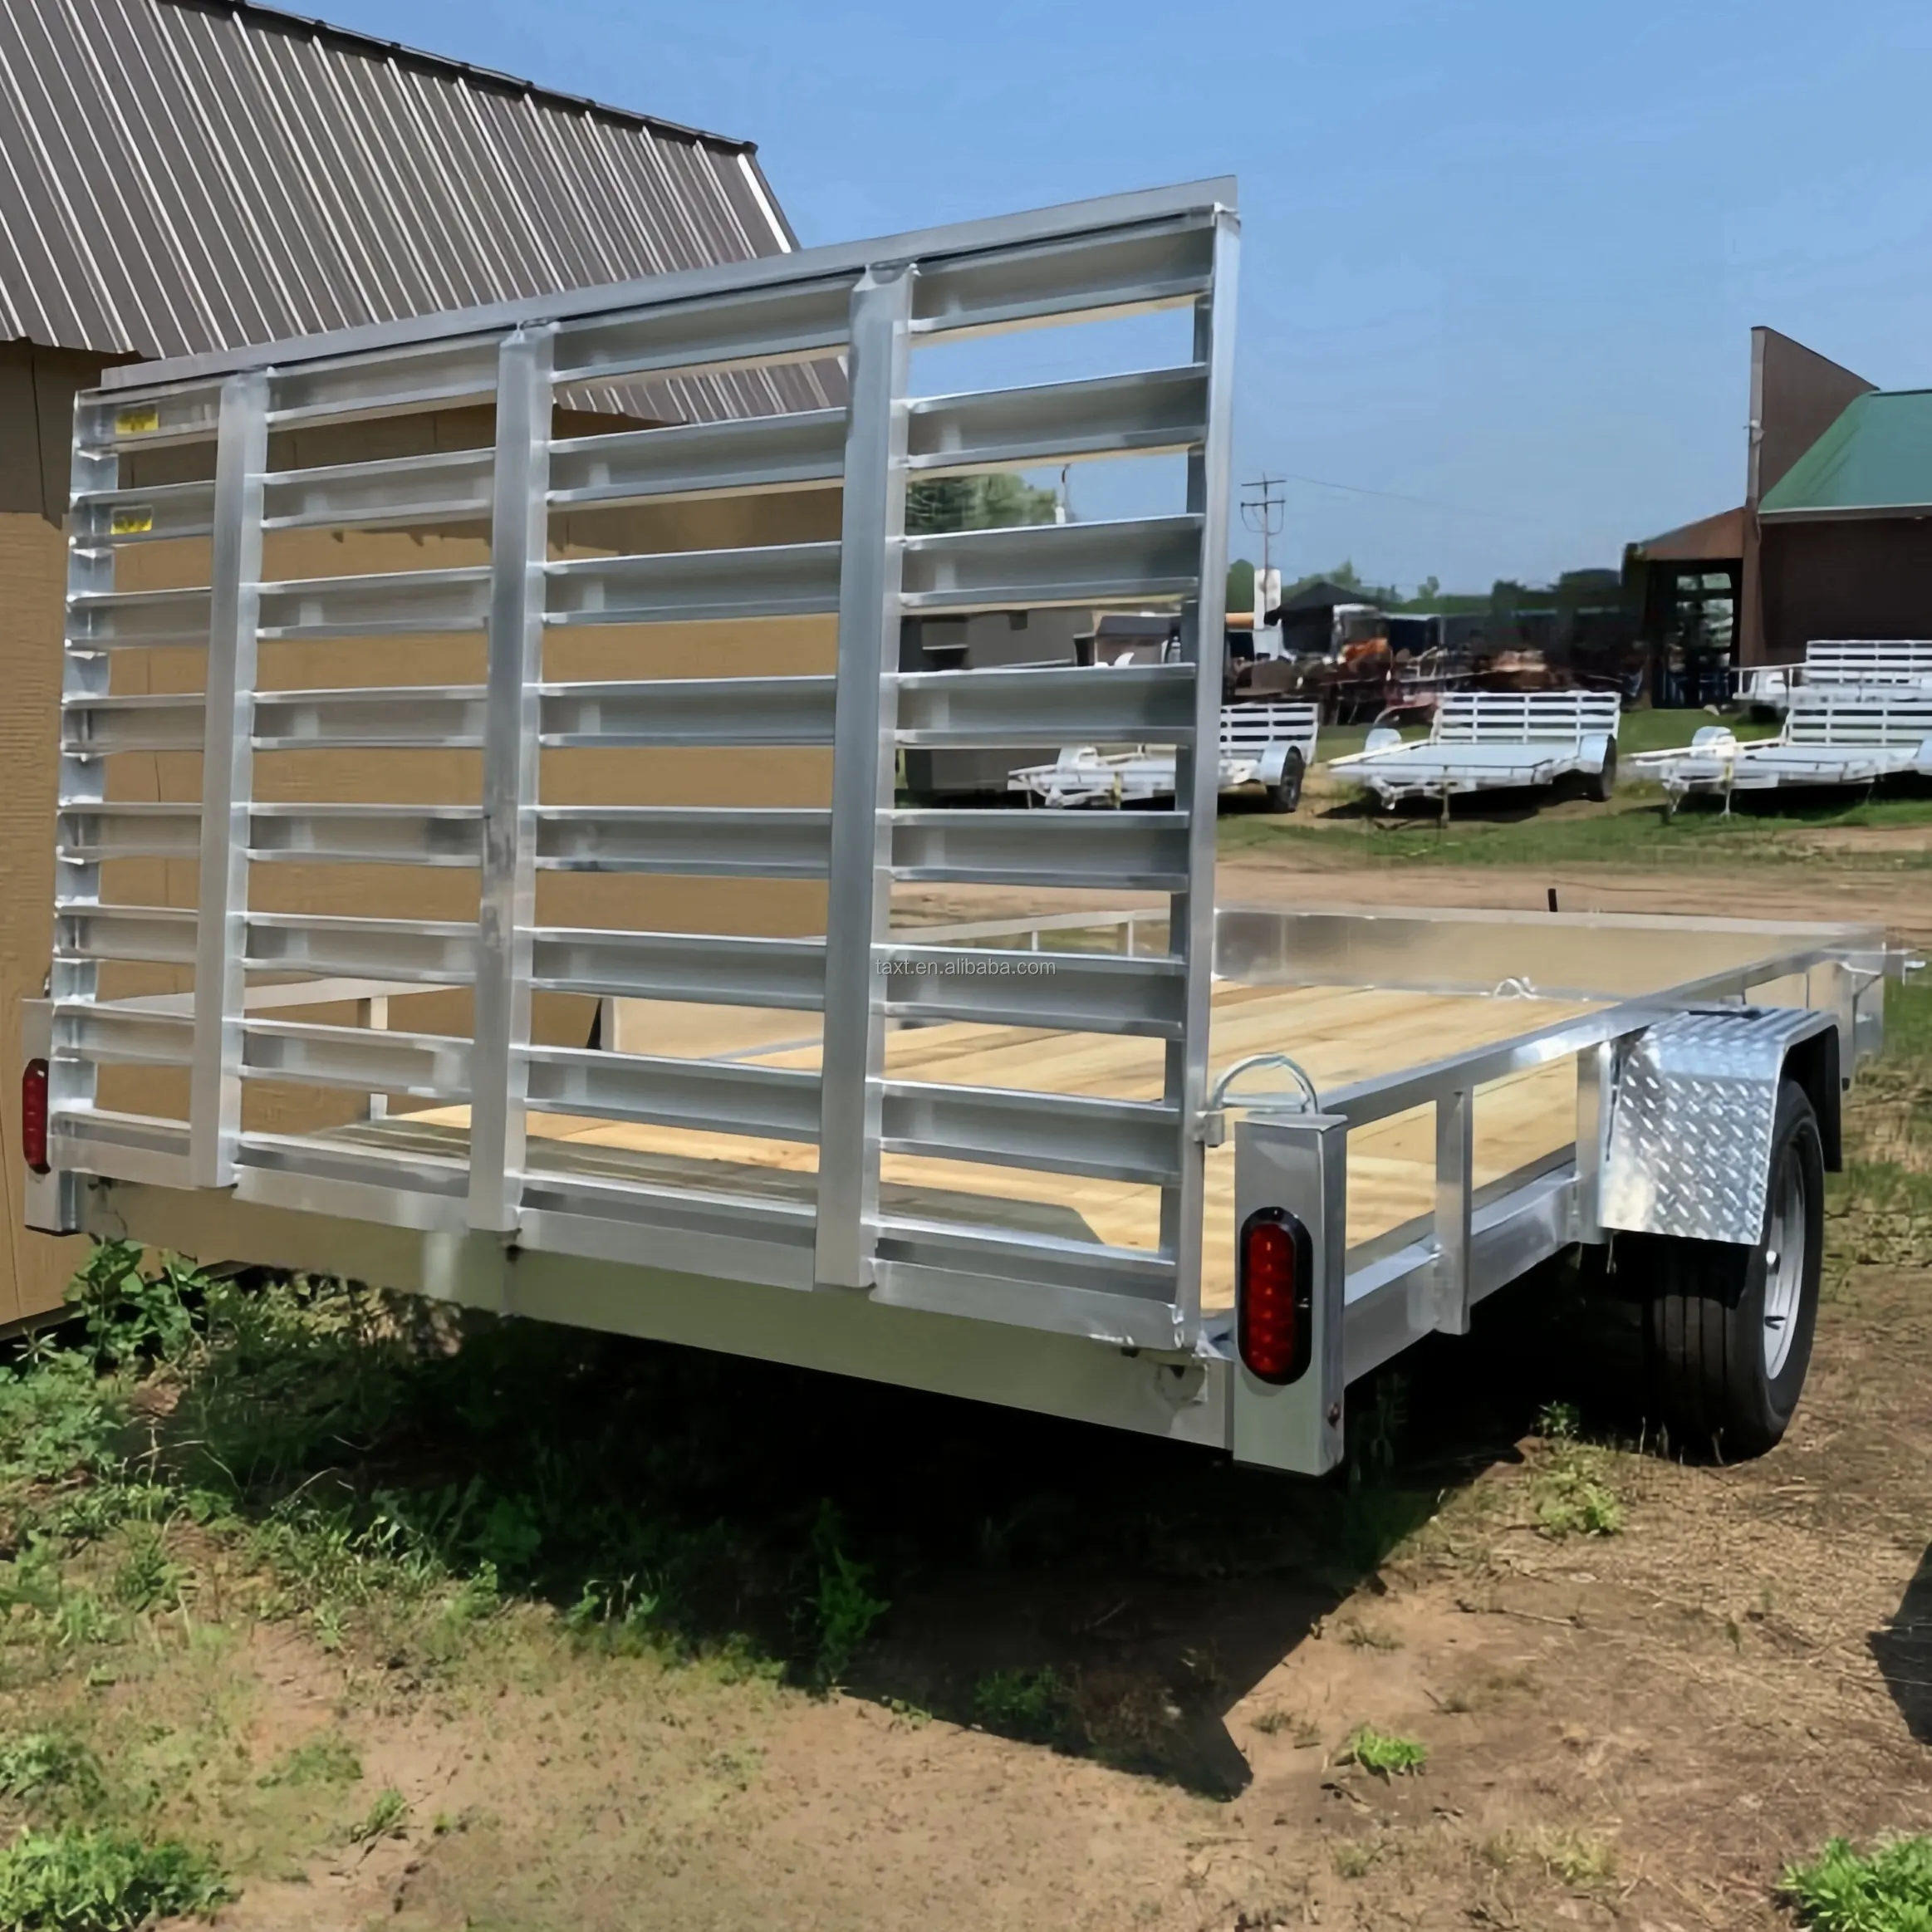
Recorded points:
(1874,461)
(1834,536)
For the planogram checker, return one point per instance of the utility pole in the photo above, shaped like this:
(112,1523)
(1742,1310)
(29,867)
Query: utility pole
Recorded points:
(1263,510)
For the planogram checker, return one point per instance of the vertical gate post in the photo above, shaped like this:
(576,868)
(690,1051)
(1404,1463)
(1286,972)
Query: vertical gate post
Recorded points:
(85,672)
(1197,779)
(858,901)
(228,768)
(507,904)
(1455,1181)
(1596,1080)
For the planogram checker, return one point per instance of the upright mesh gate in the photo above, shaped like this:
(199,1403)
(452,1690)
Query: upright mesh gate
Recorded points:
(365,806)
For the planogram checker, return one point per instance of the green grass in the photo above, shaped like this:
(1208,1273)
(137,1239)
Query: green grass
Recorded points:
(1573,1858)
(328,1759)
(1033,1704)
(1527,829)
(388,1811)
(1880,1208)
(1383,1753)
(79,1881)
(1888,1888)
(1908,1018)
(1571,1492)
(49,1768)
(1664,731)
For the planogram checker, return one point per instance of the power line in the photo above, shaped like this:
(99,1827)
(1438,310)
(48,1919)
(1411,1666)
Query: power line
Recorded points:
(1324,482)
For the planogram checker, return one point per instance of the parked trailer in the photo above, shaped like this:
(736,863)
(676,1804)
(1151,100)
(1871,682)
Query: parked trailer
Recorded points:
(1866,662)
(1186,1171)
(1264,748)
(1485,741)
(1831,735)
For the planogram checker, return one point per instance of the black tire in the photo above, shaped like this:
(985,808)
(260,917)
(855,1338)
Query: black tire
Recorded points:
(1711,1379)
(1285,794)
(1598,785)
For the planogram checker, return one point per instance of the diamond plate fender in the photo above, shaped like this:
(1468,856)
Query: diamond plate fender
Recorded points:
(1691,1115)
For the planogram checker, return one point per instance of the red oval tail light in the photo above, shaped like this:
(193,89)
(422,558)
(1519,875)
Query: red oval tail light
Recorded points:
(1274,1292)
(34,1114)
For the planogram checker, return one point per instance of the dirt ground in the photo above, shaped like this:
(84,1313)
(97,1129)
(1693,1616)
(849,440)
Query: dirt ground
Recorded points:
(1878,874)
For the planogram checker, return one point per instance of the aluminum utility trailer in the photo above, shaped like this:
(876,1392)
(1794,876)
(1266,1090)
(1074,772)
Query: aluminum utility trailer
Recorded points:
(1067,1168)
(1264,746)
(1490,741)
(1859,661)
(1831,735)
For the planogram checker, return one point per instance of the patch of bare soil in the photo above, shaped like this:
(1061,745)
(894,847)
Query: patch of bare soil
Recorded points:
(1900,900)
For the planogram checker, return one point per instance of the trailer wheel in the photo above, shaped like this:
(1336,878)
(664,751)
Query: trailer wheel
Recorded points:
(1285,794)
(1598,785)
(1727,1330)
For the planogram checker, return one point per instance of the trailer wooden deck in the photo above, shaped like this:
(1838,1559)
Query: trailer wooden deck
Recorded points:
(1339,1034)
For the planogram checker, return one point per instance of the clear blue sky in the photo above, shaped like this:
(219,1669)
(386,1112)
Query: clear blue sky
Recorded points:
(1501,255)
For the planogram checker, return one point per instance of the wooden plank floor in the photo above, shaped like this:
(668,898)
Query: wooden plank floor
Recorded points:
(1339,1034)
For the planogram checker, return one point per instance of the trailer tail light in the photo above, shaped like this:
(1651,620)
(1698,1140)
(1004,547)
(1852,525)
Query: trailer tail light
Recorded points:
(34,1114)
(1274,1296)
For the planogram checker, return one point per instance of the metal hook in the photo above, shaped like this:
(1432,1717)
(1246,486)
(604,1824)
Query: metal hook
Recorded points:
(1310,1099)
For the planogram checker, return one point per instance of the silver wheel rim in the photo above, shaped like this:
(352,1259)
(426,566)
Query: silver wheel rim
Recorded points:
(1784,1263)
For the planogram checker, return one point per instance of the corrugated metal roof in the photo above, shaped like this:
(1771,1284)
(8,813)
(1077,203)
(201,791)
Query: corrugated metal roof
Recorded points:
(1876,460)
(183,175)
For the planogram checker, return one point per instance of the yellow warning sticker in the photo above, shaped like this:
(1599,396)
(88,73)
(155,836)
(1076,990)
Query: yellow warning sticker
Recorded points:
(131,522)
(138,421)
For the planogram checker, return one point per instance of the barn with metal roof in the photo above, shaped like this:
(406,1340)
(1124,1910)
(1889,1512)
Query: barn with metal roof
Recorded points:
(182,176)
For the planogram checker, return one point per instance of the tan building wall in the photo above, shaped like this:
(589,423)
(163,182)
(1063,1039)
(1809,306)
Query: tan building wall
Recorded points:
(36,403)
(36,409)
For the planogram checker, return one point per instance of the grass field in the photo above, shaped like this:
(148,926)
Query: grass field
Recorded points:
(1631,830)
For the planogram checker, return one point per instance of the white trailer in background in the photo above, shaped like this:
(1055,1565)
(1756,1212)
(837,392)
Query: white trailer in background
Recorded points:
(1485,741)
(1862,662)
(1831,735)
(1267,748)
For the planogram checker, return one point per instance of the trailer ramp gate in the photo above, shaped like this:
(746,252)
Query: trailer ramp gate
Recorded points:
(249,971)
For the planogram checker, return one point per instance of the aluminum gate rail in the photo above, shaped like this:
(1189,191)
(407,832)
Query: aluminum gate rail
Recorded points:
(872,305)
